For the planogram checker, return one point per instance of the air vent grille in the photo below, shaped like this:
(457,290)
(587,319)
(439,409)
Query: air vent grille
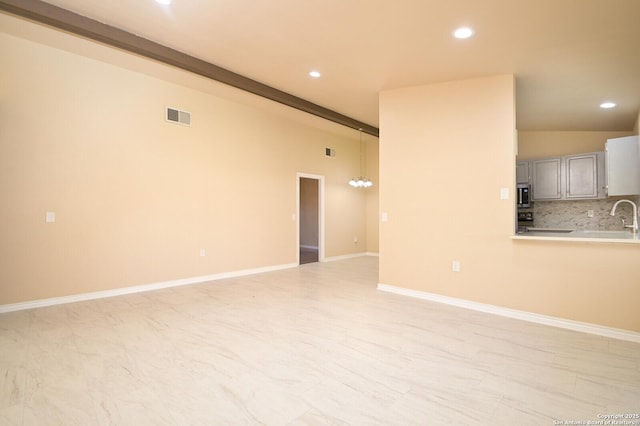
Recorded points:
(174,115)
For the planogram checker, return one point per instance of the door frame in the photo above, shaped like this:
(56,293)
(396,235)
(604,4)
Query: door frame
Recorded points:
(320,180)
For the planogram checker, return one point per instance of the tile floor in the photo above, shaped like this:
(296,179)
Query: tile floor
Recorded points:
(314,345)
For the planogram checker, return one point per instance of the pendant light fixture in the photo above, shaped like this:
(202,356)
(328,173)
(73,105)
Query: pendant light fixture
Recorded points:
(361,181)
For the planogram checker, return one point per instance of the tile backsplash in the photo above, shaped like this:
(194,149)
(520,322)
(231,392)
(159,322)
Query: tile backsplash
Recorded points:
(573,214)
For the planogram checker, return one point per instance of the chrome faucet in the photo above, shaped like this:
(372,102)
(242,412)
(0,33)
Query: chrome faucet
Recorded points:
(633,227)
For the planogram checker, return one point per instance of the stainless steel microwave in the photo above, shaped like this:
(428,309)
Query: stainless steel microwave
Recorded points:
(524,195)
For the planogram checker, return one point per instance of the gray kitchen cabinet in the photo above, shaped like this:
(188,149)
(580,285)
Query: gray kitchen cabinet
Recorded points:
(581,176)
(623,166)
(546,179)
(572,177)
(523,173)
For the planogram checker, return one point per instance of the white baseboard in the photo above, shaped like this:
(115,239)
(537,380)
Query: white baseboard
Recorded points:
(343,257)
(600,330)
(138,288)
(350,256)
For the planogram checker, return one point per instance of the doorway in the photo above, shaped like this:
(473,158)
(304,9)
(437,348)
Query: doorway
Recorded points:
(311,218)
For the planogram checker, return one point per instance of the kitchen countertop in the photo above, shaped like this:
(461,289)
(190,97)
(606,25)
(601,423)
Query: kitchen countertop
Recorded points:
(568,235)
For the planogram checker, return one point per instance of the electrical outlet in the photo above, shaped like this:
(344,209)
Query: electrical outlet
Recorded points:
(589,213)
(203,252)
(455,266)
(50,217)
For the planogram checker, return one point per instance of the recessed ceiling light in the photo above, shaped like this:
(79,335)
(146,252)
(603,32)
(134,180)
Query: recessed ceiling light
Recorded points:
(165,2)
(607,105)
(463,32)
(314,74)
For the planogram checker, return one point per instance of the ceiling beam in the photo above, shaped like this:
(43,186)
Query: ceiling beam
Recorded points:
(66,20)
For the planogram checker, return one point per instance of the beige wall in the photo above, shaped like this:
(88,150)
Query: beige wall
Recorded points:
(82,133)
(552,144)
(447,139)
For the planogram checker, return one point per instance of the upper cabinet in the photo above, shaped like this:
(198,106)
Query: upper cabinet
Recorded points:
(582,177)
(572,177)
(523,172)
(546,179)
(623,166)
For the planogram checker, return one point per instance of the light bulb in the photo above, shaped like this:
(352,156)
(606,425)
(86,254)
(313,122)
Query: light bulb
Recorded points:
(463,33)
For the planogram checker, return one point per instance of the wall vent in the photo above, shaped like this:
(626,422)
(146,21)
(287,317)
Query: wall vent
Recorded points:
(174,115)
(330,152)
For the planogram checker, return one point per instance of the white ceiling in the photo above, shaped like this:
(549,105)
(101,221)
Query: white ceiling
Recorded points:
(568,56)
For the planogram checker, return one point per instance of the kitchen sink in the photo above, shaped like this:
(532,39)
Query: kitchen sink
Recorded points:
(605,234)
(554,230)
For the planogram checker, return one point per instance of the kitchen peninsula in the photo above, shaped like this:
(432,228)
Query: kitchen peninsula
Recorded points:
(624,237)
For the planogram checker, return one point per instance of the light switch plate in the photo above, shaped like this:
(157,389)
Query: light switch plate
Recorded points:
(50,217)
(504,193)
(384,217)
